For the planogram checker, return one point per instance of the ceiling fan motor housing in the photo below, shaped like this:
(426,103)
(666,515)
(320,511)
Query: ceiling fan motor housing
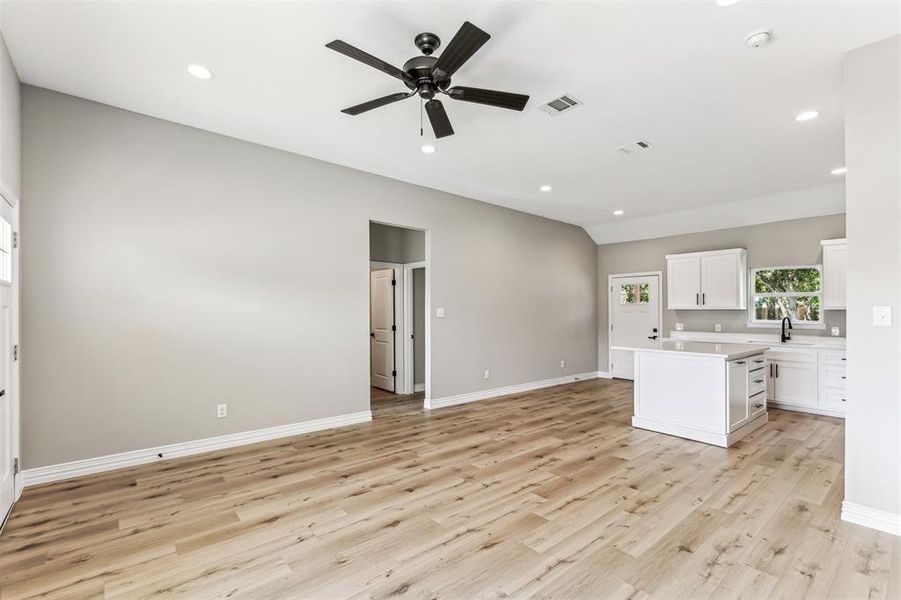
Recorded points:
(419,68)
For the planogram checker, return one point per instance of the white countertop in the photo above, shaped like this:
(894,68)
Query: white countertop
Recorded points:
(724,351)
(799,341)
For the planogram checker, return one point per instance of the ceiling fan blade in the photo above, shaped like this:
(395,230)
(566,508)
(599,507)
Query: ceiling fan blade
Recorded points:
(361,108)
(367,59)
(438,118)
(489,97)
(464,44)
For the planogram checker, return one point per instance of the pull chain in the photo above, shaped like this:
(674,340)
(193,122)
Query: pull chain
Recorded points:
(421,107)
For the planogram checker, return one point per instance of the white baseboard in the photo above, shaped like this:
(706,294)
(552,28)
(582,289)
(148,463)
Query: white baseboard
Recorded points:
(506,391)
(418,387)
(604,375)
(138,457)
(871,517)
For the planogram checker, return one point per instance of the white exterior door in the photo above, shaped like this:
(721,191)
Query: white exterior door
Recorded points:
(382,329)
(683,276)
(634,320)
(8,418)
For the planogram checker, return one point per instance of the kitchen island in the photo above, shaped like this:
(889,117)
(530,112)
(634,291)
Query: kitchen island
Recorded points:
(708,392)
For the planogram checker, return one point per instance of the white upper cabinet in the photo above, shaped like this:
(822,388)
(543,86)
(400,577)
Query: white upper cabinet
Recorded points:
(834,266)
(715,280)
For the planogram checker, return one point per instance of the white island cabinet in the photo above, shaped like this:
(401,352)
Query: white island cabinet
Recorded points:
(712,393)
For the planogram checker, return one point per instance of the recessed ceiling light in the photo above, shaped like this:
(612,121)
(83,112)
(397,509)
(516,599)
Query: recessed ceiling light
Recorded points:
(618,212)
(725,3)
(838,171)
(807,115)
(545,188)
(428,149)
(200,72)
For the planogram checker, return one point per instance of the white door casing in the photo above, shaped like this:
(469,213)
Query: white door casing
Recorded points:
(8,416)
(382,329)
(634,323)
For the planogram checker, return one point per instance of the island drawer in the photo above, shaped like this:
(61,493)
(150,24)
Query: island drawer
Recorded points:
(757,403)
(756,382)
(756,363)
(806,356)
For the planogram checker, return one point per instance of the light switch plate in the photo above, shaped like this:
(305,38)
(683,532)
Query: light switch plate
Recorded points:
(680,326)
(439,313)
(836,332)
(718,327)
(882,316)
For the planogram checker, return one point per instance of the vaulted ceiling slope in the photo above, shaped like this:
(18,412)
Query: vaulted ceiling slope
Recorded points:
(720,116)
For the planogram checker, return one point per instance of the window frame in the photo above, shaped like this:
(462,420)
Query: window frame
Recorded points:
(753,321)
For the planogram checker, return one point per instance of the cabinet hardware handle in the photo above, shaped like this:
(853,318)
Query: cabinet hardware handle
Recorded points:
(703,298)
(741,362)
(843,377)
(758,405)
(843,400)
(771,370)
(698,299)
(844,359)
(758,361)
(777,370)
(758,381)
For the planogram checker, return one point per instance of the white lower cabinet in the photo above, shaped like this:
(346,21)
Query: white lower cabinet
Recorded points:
(808,381)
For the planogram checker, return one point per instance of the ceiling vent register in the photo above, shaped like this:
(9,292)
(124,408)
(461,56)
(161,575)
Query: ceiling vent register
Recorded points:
(560,104)
(634,147)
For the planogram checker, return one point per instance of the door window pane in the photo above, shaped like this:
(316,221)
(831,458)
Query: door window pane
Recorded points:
(634,293)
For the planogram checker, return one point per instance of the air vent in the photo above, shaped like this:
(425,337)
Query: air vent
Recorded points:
(560,104)
(634,147)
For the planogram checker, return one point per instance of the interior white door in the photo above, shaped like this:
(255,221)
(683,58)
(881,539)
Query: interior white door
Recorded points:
(7,451)
(382,329)
(634,320)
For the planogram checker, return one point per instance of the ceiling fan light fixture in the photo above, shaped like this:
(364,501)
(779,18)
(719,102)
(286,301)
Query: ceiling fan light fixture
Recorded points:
(618,212)
(546,188)
(807,115)
(428,149)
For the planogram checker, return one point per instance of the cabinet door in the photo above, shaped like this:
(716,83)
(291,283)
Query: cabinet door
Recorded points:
(770,381)
(834,285)
(683,283)
(738,394)
(721,281)
(796,383)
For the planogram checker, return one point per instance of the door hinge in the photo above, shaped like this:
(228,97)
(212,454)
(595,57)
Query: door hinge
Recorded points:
(15,466)
(15,239)
(394,328)
(15,352)
(394,282)
(394,373)
(611,326)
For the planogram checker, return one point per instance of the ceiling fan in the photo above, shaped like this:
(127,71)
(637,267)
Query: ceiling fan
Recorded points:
(427,76)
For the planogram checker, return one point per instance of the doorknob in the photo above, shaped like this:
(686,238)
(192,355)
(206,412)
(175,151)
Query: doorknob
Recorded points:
(371,334)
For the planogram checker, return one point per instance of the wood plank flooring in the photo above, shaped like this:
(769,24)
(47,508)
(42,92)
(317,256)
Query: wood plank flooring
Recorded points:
(548,494)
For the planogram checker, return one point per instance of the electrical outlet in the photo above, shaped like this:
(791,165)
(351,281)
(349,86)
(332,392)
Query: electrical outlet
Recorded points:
(836,332)
(221,411)
(440,313)
(718,327)
(680,326)
(487,374)
(562,364)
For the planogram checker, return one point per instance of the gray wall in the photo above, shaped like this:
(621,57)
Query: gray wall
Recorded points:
(770,244)
(419,325)
(168,269)
(10,153)
(872,148)
(396,244)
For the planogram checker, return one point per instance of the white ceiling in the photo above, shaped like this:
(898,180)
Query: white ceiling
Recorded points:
(720,116)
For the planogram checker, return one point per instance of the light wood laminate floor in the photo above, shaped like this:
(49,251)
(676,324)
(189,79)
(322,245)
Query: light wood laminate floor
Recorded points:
(548,494)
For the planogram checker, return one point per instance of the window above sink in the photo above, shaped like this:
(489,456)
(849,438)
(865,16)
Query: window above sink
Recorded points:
(787,291)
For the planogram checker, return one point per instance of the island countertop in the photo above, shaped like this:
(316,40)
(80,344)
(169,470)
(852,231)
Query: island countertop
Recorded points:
(724,351)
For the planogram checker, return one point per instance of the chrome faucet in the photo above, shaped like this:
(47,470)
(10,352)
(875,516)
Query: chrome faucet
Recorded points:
(786,335)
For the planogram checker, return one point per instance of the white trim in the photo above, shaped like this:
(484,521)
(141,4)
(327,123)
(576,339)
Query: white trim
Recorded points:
(871,517)
(418,387)
(604,375)
(814,410)
(723,440)
(408,308)
(111,462)
(506,391)
(609,291)
(7,194)
(834,242)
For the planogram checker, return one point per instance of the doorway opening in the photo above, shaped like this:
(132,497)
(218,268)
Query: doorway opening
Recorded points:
(635,313)
(398,336)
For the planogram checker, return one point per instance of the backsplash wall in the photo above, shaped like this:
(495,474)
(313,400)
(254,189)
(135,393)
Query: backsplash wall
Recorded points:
(793,242)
